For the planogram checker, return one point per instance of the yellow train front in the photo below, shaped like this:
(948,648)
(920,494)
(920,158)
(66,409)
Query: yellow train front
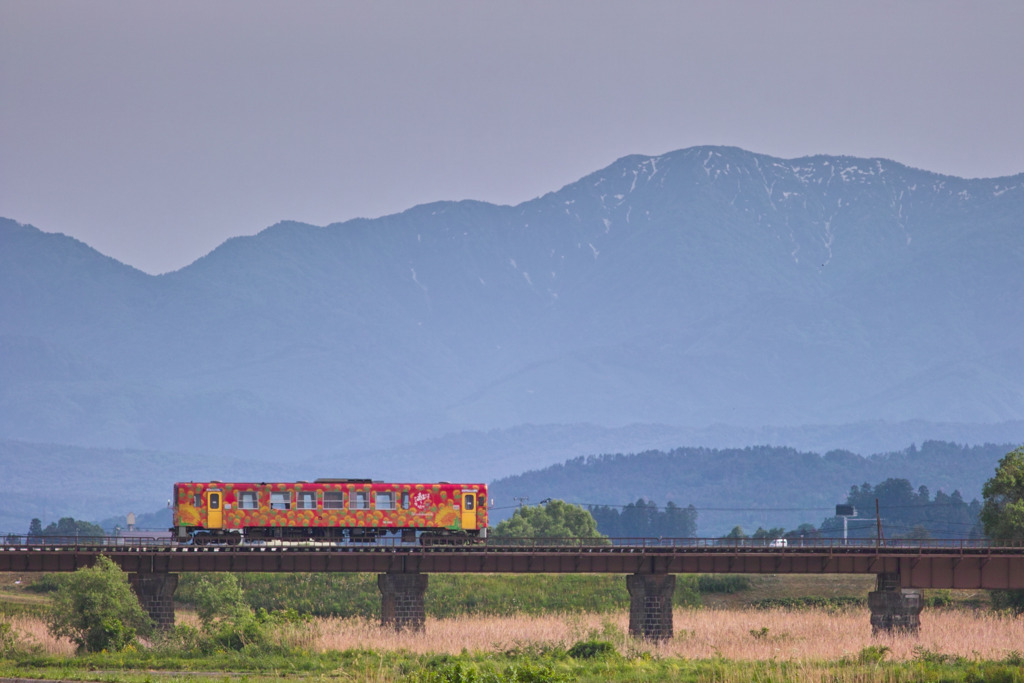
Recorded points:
(358,510)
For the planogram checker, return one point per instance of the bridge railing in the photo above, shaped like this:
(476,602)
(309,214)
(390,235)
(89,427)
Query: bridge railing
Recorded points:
(82,541)
(748,544)
(10,542)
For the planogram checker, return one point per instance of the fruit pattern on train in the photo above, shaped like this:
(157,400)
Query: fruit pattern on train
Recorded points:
(382,506)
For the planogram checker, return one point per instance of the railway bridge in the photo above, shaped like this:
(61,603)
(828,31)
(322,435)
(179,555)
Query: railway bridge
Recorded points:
(902,568)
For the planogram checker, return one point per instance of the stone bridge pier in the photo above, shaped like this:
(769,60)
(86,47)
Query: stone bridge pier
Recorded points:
(650,605)
(156,595)
(894,609)
(401,600)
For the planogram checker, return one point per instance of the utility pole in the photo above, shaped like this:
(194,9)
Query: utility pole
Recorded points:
(878,518)
(523,500)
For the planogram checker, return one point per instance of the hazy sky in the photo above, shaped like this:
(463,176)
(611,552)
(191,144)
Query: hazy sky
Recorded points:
(153,131)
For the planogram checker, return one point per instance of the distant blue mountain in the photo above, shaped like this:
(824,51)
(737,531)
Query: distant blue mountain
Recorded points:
(708,286)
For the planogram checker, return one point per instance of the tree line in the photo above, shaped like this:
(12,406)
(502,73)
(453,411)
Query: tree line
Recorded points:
(645,519)
(66,527)
(906,513)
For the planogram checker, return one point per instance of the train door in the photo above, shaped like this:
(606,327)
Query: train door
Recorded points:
(214,510)
(469,510)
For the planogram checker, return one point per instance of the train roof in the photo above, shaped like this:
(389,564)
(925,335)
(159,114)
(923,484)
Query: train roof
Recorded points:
(374,482)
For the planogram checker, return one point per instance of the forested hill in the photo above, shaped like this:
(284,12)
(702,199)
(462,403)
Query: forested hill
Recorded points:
(752,487)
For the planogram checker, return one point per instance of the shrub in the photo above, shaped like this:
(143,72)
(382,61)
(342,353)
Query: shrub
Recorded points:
(219,596)
(809,602)
(44,583)
(96,609)
(923,654)
(938,598)
(873,654)
(1012,600)
(592,649)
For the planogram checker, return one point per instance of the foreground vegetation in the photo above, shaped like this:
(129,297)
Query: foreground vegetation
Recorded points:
(710,645)
(521,628)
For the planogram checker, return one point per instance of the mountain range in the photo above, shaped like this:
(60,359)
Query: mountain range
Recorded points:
(710,293)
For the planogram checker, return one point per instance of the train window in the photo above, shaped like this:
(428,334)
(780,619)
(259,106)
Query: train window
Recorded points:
(405,500)
(280,500)
(197,500)
(470,500)
(360,500)
(247,500)
(307,500)
(334,500)
(385,500)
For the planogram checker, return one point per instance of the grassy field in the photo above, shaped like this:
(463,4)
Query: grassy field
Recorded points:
(732,637)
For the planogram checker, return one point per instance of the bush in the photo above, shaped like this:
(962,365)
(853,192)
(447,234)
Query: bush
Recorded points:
(44,583)
(219,596)
(873,654)
(239,633)
(810,602)
(1012,600)
(938,598)
(592,649)
(96,609)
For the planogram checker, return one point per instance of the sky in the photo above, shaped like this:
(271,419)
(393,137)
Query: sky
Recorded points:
(154,131)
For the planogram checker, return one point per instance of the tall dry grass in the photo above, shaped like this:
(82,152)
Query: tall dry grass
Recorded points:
(32,632)
(805,635)
(700,633)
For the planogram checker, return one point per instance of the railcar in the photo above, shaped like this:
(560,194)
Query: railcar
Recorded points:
(359,510)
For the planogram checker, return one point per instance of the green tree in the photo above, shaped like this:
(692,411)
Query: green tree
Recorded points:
(555,519)
(96,609)
(65,528)
(1003,515)
(643,518)
(678,522)
(763,534)
(69,527)
(220,596)
(228,620)
(1003,511)
(804,532)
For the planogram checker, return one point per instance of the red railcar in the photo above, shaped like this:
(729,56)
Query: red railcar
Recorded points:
(327,509)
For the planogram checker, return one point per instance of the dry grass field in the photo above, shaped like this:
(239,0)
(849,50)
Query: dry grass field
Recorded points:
(700,633)
(738,634)
(727,627)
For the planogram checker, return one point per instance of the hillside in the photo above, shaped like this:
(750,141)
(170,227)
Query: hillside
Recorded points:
(751,487)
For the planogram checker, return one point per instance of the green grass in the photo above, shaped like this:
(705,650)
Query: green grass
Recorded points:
(585,661)
(450,595)
(810,602)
